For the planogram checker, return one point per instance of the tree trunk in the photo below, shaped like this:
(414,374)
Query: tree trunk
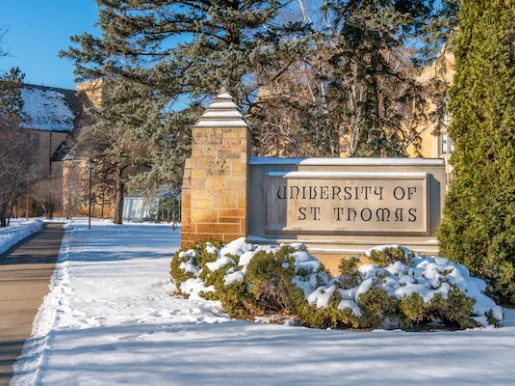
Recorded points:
(51,211)
(3,215)
(118,204)
(103,203)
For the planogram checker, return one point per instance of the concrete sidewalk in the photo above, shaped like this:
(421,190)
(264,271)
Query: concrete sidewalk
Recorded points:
(24,276)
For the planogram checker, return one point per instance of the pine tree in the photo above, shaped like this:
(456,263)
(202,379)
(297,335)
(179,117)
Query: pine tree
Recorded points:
(357,91)
(173,53)
(11,101)
(192,47)
(478,229)
(127,138)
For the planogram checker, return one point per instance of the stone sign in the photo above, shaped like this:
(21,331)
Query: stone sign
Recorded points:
(350,202)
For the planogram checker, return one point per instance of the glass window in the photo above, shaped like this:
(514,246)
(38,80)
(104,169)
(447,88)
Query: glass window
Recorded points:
(451,145)
(444,144)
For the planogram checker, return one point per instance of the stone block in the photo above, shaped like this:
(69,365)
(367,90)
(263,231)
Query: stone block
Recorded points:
(218,228)
(229,220)
(214,167)
(239,172)
(186,183)
(201,195)
(235,134)
(231,237)
(222,154)
(213,139)
(198,173)
(211,131)
(197,138)
(203,204)
(203,236)
(232,141)
(199,184)
(187,229)
(232,148)
(234,185)
(186,196)
(216,183)
(238,166)
(226,199)
(203,153)
(197,147)
(204,215)
(232,212)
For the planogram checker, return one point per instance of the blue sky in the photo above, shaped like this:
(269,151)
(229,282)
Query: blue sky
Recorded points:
(38,29)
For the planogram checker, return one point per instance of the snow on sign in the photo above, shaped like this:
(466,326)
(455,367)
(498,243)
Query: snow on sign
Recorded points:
(382,202)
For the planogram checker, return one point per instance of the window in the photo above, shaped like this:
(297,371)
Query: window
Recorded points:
(451,145)
(444,144)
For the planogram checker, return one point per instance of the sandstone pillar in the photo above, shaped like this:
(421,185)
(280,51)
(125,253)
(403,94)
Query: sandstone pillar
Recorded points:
(215,184)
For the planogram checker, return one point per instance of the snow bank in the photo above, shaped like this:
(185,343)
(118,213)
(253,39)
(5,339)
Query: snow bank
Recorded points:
(110,320)
(17,231)
(110,289)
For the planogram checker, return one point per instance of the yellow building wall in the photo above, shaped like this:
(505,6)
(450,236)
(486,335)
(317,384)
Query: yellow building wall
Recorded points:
(76,192)
(443,70)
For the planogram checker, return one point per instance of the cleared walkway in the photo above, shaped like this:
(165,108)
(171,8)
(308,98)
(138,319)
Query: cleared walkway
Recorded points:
(24,275)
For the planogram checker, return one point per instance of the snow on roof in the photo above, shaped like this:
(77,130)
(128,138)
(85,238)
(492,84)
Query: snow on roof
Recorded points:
(48,109)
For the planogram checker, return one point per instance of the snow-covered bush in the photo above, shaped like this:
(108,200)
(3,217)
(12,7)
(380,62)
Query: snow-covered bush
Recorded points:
(188,264)
(385,255)
(407,290)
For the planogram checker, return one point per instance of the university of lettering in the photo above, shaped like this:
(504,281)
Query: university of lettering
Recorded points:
(352,203)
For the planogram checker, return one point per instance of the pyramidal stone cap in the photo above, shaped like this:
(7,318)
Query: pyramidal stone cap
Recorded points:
(222,113)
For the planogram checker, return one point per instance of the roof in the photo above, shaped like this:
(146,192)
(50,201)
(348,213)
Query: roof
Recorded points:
(50,108)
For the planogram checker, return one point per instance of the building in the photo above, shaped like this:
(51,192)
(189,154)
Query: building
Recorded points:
(437,146)
(52,117)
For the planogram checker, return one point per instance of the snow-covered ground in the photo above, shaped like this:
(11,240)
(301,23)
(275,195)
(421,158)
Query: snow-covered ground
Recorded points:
(109,320)
(17,231)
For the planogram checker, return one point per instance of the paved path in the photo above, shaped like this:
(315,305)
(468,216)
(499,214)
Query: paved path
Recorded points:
(24,276)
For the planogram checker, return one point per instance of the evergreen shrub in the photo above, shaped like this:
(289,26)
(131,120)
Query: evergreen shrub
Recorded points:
(385,257)
(478,228)
(406,291)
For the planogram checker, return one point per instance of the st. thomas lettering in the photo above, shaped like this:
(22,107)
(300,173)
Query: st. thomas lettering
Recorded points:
(309,213)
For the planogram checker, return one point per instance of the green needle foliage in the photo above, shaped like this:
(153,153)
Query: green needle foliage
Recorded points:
(478,229)
(160,61)
(342,74)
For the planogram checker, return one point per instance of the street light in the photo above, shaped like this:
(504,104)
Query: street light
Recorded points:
(91,166)
(27,199)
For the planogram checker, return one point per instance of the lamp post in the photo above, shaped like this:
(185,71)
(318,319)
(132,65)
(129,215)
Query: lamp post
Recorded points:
(91,165)
(27,200)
